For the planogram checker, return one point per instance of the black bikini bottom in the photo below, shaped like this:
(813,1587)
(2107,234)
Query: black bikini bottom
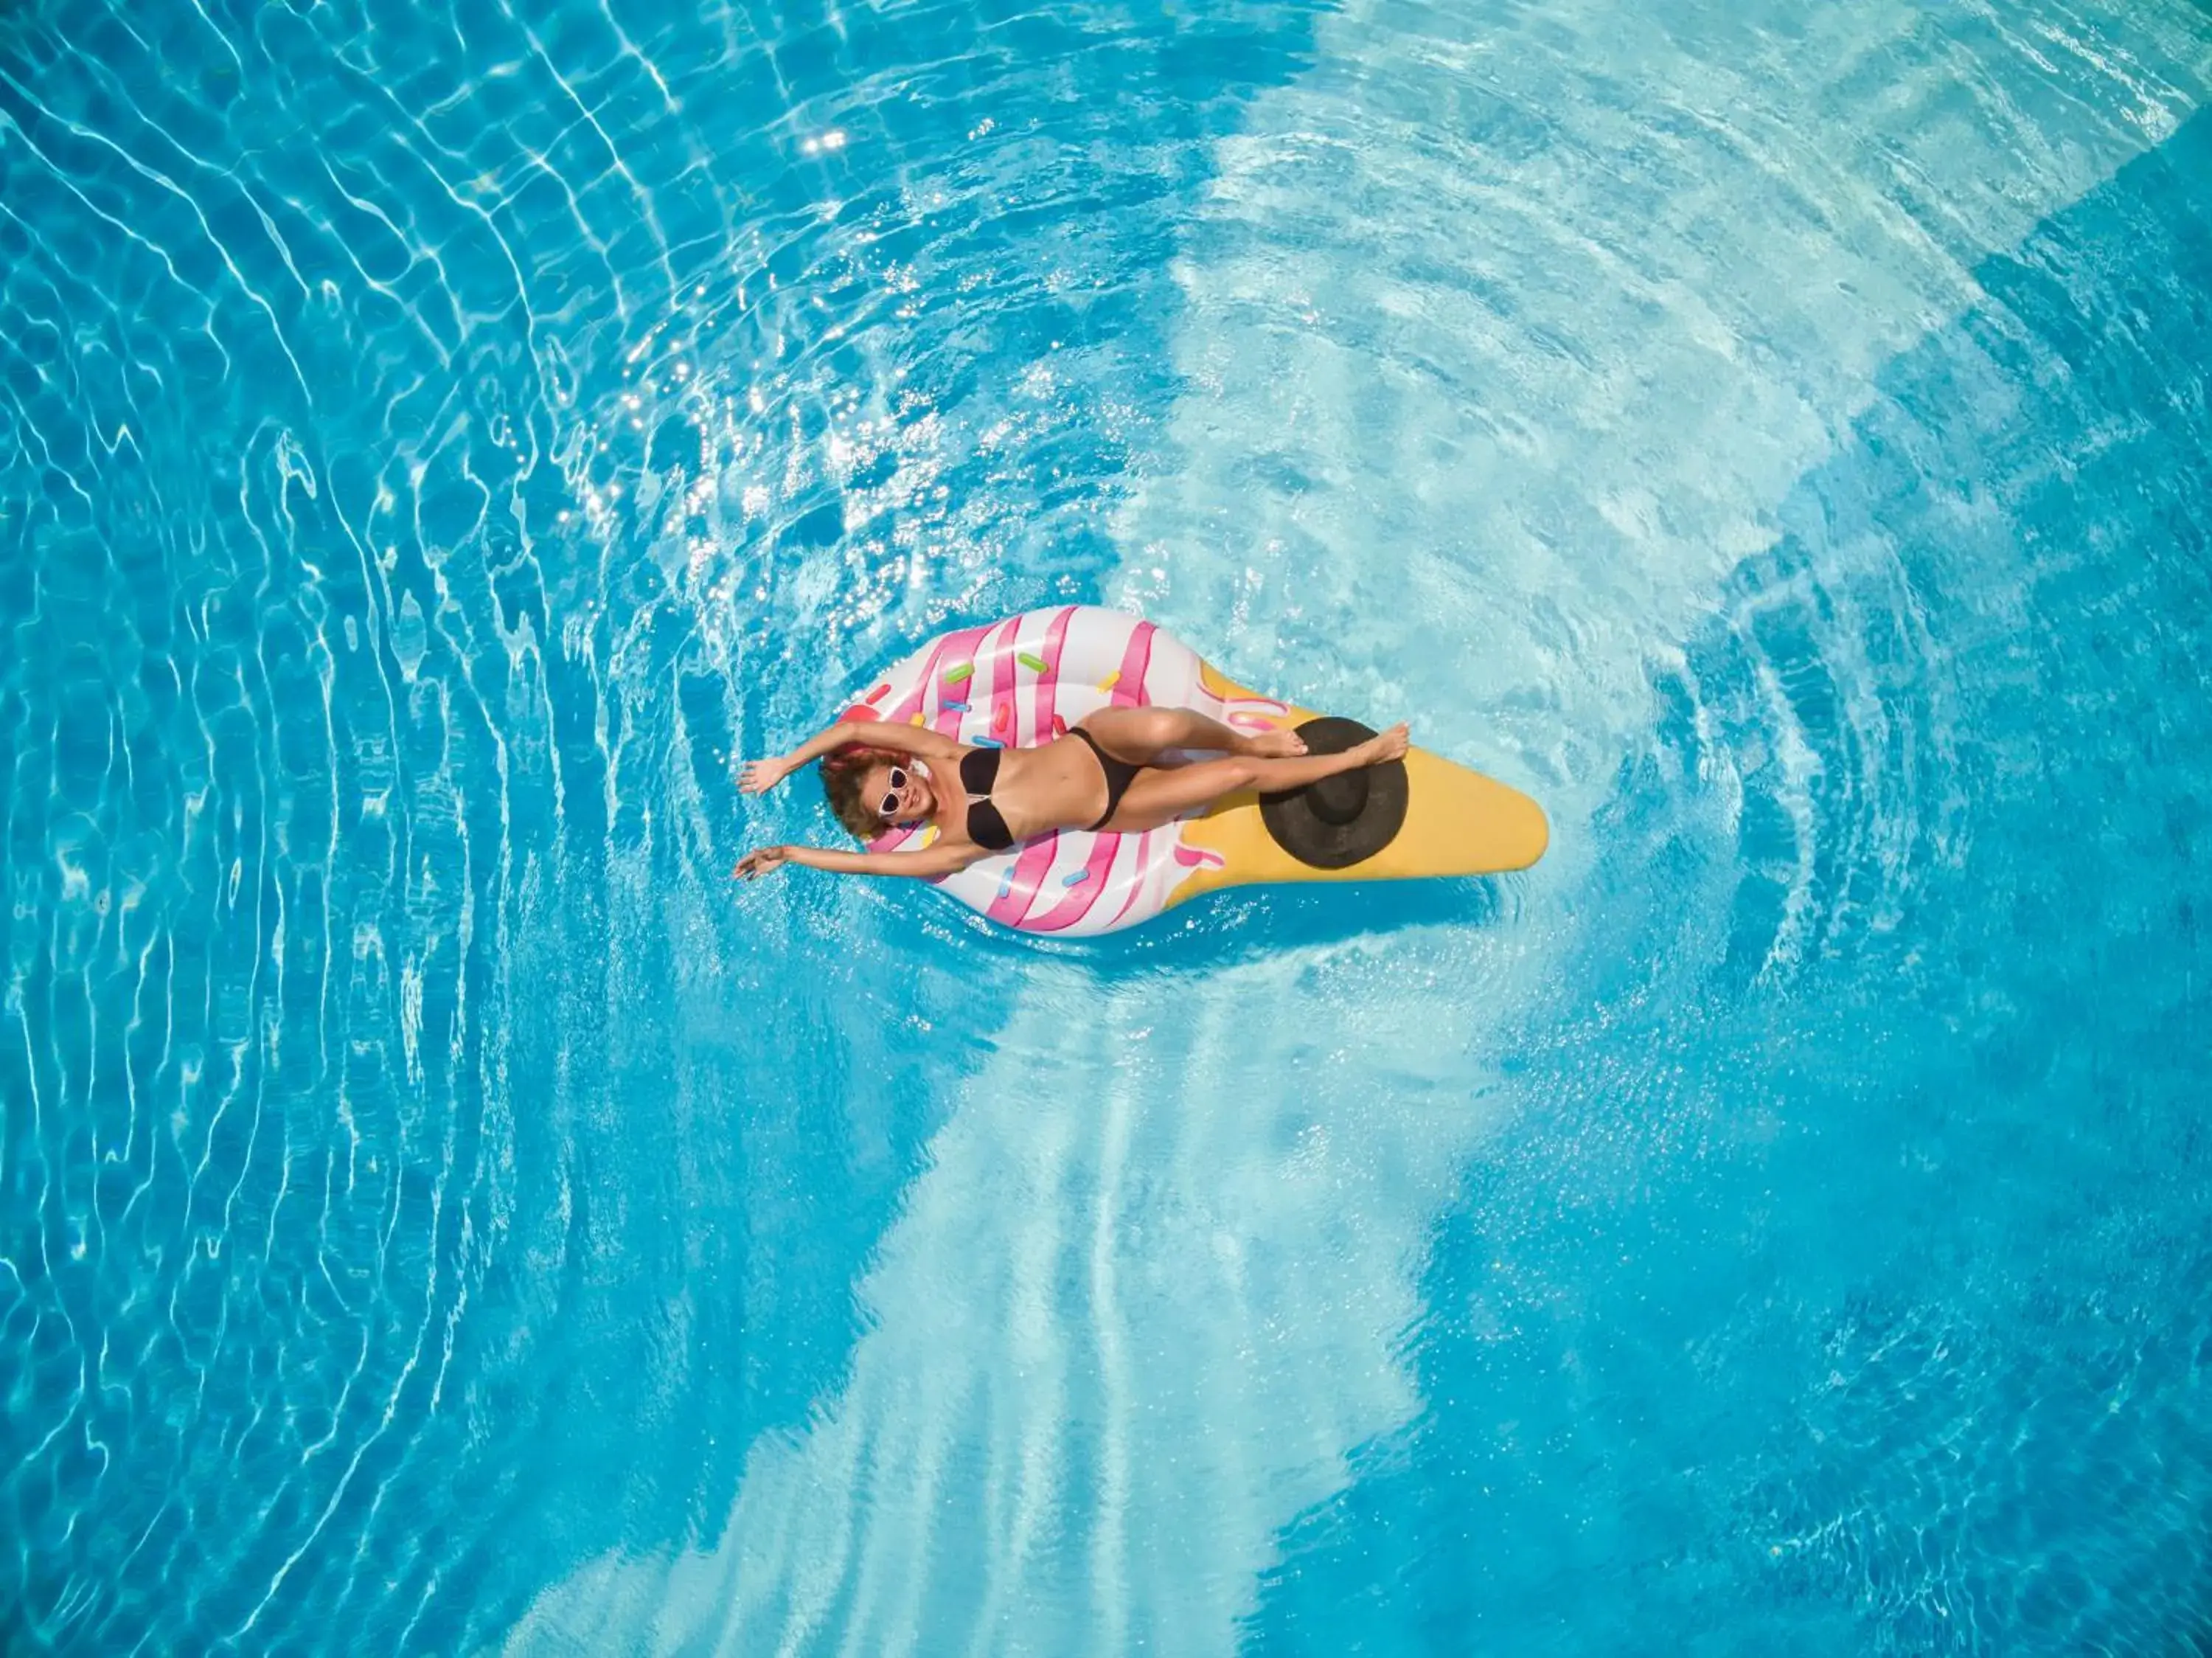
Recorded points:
(1120,774)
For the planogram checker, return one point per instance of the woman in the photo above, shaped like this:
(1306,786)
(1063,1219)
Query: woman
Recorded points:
(1103,774)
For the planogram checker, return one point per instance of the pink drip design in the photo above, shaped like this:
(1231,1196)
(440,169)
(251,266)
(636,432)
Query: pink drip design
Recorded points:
(1136,661)
(1002,683)
(1084,897)
(1013,905)
(1254,713)
(918,697)
(1137,886)
(1046,717)
(976,644)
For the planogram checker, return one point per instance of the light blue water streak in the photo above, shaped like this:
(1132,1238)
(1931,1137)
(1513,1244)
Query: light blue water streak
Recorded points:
(1906,1347)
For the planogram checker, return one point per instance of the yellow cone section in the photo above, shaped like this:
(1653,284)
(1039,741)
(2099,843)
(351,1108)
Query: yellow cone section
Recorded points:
(1458,822)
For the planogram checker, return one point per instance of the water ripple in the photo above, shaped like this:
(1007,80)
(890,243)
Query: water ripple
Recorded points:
(1535,377)
(424,433)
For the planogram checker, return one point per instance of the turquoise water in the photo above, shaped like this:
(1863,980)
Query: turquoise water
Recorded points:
(438,1213)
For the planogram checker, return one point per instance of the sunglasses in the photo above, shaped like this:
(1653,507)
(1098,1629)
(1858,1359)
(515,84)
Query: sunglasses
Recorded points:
(890,805)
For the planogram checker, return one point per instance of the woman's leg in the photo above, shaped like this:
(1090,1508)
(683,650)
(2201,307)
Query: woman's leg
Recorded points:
(1141,736)
(1160,794)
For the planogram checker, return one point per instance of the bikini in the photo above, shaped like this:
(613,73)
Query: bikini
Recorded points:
(979,773)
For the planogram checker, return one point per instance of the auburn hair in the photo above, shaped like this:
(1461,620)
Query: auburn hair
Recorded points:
(844,775)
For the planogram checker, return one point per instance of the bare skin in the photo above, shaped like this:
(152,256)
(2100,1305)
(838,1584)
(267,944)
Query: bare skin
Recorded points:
(1054,786)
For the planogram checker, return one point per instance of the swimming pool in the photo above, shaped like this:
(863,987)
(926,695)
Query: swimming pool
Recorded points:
(441,1214)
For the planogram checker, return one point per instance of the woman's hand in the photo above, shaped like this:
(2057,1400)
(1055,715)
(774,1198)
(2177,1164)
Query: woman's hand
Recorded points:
(760,775)
(760,861)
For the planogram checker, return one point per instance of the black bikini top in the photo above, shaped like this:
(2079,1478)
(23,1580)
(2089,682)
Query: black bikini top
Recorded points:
(986,825)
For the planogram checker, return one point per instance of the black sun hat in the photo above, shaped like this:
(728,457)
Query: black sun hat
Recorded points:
(1343,819)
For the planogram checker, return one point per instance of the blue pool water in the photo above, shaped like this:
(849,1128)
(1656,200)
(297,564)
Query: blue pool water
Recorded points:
(438,1213)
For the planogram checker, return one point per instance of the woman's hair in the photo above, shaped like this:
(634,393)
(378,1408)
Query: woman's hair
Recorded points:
(844,775)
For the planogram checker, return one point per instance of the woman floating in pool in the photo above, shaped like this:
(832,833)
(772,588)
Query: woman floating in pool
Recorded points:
(1105,774)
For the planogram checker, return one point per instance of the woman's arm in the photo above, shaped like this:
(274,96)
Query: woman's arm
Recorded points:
(916,740)
(937,860)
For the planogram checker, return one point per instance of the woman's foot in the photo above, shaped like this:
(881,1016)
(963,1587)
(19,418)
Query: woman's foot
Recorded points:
(1385,745)
(1274,744)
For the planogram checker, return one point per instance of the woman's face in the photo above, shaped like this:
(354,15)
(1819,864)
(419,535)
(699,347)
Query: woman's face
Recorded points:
(898,791)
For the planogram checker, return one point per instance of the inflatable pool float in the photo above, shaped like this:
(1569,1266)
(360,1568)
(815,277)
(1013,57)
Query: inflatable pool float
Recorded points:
(1023,681)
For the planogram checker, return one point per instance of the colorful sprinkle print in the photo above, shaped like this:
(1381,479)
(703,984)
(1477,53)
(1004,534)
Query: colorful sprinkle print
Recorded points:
(1035,664)
(960,675)
(1110,680)
(1077,878)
